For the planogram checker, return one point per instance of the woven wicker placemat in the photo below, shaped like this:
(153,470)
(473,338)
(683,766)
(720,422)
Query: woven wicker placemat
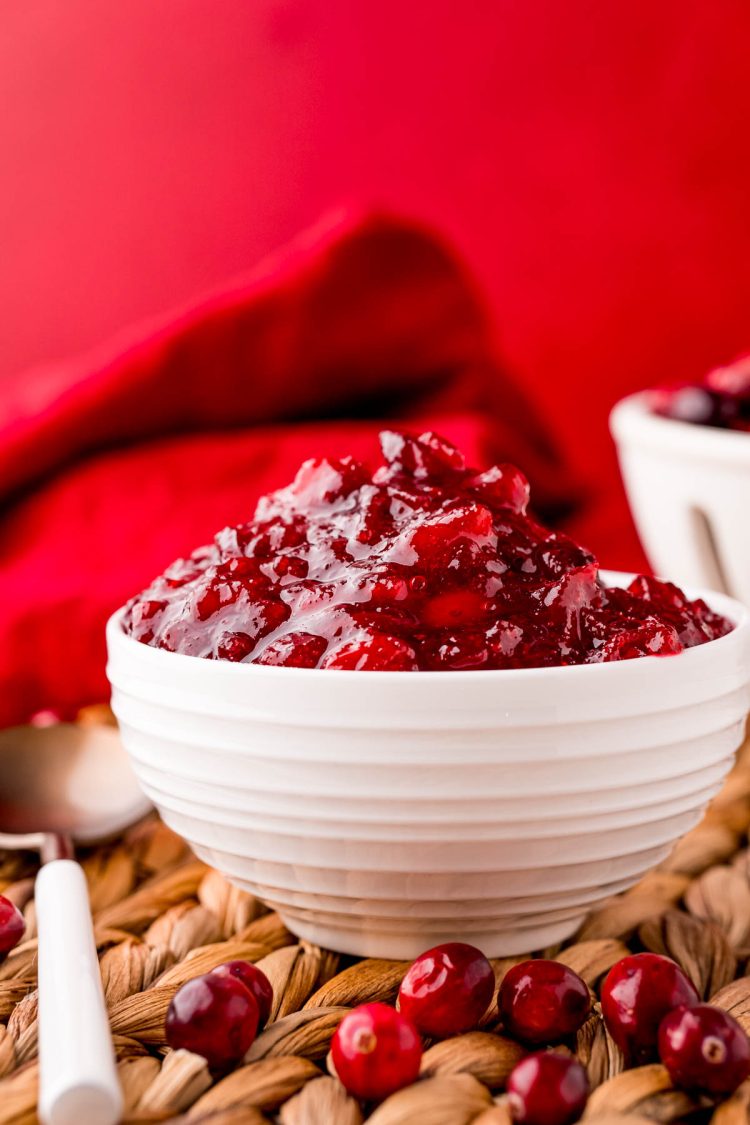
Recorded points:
(161,917)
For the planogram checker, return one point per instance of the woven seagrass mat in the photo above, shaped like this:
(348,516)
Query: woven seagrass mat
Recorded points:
(161,918)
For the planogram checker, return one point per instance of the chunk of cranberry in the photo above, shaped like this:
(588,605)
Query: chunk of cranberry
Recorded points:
(547,1089)
(427,457)
(704,1049)
(375,1051)
(502,486)
(454,608)
(447,990)
(543,1001)
(213,1016)
(255,980)
(645,638)
(638,992)
(377,652)
(294,650)
(234,646)
(12,925)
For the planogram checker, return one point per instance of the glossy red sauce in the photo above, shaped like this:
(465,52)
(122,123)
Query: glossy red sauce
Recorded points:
(424,565)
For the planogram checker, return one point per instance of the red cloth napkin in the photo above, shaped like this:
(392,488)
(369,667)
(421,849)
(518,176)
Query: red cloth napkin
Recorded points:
(112,467)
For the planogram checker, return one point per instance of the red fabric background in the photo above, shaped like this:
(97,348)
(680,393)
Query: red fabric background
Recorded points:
(112,467)
(588,160)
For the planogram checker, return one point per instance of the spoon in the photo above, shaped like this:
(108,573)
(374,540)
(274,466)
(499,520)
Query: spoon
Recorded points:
(59,784)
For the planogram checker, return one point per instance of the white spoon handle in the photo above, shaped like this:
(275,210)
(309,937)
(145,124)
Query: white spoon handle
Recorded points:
(78,1078)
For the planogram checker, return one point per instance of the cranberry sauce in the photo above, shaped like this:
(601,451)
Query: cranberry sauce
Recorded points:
(426,565)
(722,400)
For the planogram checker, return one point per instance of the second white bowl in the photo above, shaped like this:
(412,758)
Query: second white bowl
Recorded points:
(689,491)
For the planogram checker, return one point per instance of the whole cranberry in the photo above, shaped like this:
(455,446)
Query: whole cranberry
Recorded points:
(547,1089)
(255,980)
(12,924)
(375,1051)
(543,1001)
(213,1016)
(705,1049)
(638,992)
(447,990)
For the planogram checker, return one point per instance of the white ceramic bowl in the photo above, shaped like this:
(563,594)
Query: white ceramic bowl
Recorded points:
(689,490)
(383,812)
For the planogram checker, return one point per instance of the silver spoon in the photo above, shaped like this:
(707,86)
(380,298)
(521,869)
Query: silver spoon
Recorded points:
(59,785)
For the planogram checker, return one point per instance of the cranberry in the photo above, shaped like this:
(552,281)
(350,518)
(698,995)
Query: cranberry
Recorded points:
(375,1051)
(12,925)
(638,992)
(294,650)
(447,990)
(427,564)
(255,980)
(547,1089)
(704,1049)
(503,486)
(213,1016)
(543,1001)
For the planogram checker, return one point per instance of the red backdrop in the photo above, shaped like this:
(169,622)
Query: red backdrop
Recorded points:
(590,160)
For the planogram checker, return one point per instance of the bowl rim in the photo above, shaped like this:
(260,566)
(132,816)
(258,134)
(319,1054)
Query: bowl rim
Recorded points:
(632,421)
(734,610)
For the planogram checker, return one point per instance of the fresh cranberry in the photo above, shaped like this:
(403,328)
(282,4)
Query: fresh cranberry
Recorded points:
(255,980)
(638,992)
(213,1016)
(704,1049)
(543,1001)
(375,1051)
(425,565)
(547,1089)
(447,990)
(12,925)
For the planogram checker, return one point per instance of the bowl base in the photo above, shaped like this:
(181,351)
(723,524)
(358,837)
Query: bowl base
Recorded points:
(409,941)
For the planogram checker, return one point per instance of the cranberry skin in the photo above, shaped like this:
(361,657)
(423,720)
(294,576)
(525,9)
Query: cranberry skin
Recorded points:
(543,1001)
(547,1089)
(375,1051)
(12,925)
(213,1016)
(447,990)
(637,994)
(255,980)
(704,1049)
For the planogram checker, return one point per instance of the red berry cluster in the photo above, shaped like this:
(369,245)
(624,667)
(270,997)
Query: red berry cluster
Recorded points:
(650,1007)
(218,1015)
(377,1050)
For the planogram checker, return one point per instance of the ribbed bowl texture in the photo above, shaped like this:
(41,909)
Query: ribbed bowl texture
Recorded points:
(381,813)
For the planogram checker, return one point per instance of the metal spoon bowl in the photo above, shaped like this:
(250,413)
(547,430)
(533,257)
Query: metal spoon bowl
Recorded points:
(61,785)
